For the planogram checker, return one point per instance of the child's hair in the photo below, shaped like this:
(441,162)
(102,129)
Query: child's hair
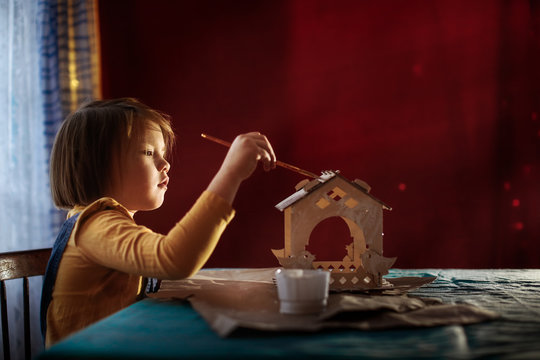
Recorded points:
(89,142)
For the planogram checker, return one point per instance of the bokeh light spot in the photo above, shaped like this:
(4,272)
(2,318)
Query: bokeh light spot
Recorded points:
(518,226)
(507,185)
(417,70)
(516,203)
(402,187)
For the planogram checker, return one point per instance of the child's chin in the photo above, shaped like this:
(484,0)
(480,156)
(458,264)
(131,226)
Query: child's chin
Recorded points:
(155,205)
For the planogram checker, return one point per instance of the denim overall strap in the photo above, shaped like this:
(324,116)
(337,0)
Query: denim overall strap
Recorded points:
(52,269)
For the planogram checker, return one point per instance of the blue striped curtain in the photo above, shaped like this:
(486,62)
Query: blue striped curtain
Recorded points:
(49,65)
(69,62)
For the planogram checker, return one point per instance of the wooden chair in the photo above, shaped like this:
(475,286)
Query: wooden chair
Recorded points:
(16,265)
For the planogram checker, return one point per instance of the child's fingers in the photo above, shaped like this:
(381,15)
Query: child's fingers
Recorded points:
(270,152)
(264,151)
(267,160)
(269,155)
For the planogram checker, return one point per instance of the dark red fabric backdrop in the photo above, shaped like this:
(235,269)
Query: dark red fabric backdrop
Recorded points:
(433,103)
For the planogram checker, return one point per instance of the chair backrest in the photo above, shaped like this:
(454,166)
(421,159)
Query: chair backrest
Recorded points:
(17,265)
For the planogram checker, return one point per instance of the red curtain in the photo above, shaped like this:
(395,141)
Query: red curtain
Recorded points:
(434,104)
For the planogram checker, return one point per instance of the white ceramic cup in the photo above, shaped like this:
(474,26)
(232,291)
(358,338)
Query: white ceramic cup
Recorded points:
(302,291)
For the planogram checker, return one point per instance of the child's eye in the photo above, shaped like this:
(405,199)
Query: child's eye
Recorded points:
(148,152)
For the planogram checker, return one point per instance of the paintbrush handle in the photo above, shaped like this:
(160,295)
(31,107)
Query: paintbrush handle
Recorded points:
(278,163)
(296,169)
(216,140)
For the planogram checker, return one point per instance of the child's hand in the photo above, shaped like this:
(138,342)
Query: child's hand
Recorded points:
(241,161)
(245,152)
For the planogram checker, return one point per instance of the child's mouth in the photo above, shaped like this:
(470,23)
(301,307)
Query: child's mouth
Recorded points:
(164,183)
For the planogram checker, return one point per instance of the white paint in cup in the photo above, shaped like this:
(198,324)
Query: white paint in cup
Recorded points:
(302,291)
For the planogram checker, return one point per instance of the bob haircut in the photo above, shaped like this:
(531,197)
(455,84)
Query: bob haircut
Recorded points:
(91,140)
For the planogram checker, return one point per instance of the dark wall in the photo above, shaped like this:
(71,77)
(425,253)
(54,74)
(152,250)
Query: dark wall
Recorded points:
(434,104)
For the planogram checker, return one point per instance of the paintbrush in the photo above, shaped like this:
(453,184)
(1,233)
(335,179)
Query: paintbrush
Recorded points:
(278,163)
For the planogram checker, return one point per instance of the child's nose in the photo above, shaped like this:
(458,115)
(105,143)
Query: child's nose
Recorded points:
(166,166)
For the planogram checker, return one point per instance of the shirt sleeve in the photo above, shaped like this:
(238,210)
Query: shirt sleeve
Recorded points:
(107,235)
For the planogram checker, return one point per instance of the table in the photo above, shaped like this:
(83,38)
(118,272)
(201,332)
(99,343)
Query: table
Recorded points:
(157,329)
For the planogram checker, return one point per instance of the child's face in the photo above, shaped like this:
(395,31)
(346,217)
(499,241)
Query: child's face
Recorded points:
(144,179)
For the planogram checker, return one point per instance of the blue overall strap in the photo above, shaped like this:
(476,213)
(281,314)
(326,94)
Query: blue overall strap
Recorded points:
(52,269)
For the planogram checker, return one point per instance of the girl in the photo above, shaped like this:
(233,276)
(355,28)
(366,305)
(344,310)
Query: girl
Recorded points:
(108,162)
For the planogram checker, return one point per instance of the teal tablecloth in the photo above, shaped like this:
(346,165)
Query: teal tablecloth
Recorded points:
(153,329)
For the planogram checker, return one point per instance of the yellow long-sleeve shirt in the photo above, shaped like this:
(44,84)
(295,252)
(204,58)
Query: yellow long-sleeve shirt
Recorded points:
(108,252)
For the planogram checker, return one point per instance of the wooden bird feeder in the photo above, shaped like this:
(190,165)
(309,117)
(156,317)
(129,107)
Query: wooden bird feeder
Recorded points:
(330,195)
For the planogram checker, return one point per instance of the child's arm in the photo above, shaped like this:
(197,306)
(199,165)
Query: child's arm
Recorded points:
(241,160)
(112,239)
